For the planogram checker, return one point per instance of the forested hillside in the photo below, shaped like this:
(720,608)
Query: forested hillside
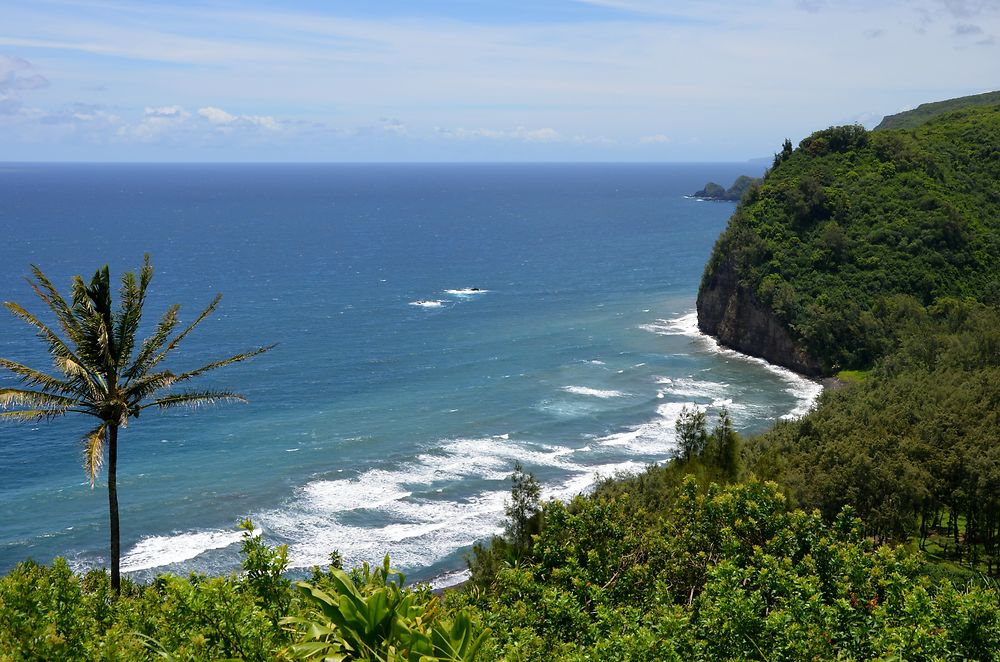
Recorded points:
(909,119)
(847,221)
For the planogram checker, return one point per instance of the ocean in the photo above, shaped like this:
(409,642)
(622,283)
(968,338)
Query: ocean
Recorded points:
(435,324)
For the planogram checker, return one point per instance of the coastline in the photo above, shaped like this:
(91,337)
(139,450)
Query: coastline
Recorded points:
(455,580)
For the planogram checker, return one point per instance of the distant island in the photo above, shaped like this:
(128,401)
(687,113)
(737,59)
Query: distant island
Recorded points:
(713,191)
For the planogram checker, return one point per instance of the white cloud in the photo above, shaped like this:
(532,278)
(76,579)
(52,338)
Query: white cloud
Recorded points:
(656,139)
(13,80)
(544,135)
(222,119)
(216,115)
(157,123)
(166,112)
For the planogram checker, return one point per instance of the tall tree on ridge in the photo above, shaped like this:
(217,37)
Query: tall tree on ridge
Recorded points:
(101,373)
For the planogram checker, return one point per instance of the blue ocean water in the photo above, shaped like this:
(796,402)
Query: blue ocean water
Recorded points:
(399,397)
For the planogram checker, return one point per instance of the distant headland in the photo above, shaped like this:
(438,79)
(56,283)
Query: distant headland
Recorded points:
(713,191)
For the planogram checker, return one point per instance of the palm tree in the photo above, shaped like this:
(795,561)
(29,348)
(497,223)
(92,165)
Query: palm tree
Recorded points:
(102,373)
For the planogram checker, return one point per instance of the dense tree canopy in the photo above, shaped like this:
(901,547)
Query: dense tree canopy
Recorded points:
(852,218)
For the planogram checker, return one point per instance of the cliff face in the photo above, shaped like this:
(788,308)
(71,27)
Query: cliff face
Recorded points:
(731,313)
(853,232)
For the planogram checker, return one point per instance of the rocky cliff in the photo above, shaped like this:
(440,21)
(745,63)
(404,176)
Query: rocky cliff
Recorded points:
(731,313)
(854,234)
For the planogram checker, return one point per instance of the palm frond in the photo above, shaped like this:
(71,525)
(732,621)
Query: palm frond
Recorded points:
(93,451)
(32,415)
(152,344)
(180,336)
(57,347)
(78,375)
(219,364)
(48,293)
(19,397)
(132,295)
(195,399)
(147,385)
(92,308)
(32,377)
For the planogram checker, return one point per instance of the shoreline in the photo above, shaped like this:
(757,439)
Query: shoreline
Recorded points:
(827,383)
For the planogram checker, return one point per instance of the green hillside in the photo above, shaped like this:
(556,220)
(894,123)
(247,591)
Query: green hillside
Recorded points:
(913,118)
(854,229)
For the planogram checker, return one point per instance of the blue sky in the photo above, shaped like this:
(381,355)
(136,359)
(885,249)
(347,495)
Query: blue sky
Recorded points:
(471,80)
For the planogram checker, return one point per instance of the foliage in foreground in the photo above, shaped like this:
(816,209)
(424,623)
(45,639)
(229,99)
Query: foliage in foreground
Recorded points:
(709,573)
(50,613)
(723,573)
(375,618)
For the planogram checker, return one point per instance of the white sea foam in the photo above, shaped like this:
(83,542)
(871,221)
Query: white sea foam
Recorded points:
(586,478)
(685,325)
(372,489)
(425,303)
(450,579)
(689,387)
(421,529)
(805,390)
(567,409)
(157,551)
(656,437)
(466,291)
(593,392)
(425,531)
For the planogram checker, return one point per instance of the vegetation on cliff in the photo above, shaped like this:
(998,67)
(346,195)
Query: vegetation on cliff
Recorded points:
(909,119)
(851,219)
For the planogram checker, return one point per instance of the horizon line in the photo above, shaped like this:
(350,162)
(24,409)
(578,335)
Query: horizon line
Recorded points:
(361,163)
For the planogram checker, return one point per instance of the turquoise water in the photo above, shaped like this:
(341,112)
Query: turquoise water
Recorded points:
(399,397)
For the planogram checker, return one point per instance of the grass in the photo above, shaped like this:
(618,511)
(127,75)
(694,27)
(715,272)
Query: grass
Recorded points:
(852,376)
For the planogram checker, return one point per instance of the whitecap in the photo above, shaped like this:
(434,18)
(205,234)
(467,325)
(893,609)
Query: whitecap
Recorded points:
(420,528)
(449,579)
(656,437)
(158,551)
(466,291)
(593,392)
(688,387)
(427,303)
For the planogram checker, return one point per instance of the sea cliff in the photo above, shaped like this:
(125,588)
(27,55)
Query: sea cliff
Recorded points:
(855,232)
(732,313)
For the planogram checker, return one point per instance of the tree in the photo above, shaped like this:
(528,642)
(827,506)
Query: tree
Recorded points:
(691,434)
(524,510)
(101,373)
(723,446)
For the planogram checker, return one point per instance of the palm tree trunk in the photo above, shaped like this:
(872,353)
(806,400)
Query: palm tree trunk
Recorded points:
(113,508)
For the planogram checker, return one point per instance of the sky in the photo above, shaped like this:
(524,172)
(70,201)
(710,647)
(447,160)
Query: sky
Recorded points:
(471,80)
